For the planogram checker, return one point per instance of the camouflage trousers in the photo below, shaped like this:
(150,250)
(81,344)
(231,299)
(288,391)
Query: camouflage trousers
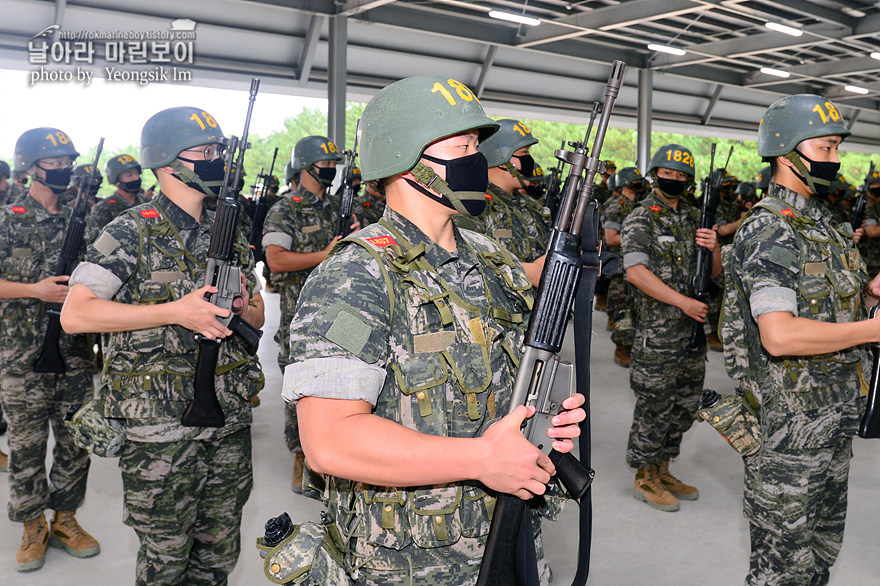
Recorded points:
(31,403)
(796,506)
(616,294)
(184,500)
(667,383)
(291,427)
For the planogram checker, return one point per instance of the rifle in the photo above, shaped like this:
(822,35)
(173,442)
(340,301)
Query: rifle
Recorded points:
(551,198)
(870,426)
(222,272)
(702,281)
(50,360)
(343,222)
(261,208)
(542,380)
(861,204)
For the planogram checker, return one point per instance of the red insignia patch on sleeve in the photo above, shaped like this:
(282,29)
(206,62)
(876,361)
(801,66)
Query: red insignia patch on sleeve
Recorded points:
(111,201)
(150,213)
(787,212)
(655,208)
(488,196)
(19,209)
(382,241)
(296,198)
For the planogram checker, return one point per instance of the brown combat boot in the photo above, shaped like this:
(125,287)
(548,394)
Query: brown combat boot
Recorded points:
(601,301)
(4,461)
(31,555)
(68,535)
(649,490)
(621,355)
(714,342)
(297,483)
(675,486)
(255,401)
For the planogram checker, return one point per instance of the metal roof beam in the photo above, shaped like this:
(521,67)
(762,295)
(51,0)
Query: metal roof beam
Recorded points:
(316,23)
(813,10)
(838,68)
(712,102)
(484,70)
(353,7)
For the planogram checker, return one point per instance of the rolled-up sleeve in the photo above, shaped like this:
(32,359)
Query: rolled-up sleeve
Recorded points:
(333,378)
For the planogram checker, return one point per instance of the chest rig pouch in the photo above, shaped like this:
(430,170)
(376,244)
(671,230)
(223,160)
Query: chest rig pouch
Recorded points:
(441,381)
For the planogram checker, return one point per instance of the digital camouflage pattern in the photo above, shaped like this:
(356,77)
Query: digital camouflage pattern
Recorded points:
(789,255)
(369,209)
(95,433)
(614,212)
(513,227)
(308,556)
(666,375)
(444,329)
(30,248)
(870,247)
(736,421)
(107,209)
(184,499)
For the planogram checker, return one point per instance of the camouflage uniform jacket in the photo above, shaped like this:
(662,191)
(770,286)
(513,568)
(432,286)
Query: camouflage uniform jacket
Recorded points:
(151,254)
(369,209)
(441,331)
(107,209)
(790,256)
(870,247)
(614,212)
(516,229)
(664,240)
(30,251)
(302,222)
(16,193)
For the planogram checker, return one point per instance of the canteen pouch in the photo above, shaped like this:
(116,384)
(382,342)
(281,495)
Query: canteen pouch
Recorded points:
(308,557)
(102,436)
(734,417)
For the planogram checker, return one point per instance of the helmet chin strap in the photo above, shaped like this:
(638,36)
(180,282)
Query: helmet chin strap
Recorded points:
(804,175)
(427,177)
(187,175)
(515,172)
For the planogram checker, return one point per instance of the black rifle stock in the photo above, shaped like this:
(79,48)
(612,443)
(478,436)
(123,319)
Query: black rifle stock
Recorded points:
(542,380)
(861,204)
(223,272)
(870,426)
(702,280)
(50,359)
(261,209)
(343,221)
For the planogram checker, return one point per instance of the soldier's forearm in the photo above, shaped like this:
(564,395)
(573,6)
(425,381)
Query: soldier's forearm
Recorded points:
(14,290)
(285,261)
(650,284)
(84,312)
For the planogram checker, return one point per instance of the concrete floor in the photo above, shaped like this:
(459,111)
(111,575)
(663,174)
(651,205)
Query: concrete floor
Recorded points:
(705,543)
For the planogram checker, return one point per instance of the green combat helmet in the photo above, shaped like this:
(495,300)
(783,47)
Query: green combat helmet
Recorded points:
(42,143)
(613,183)
(81,172)
(512,135)
(407,116)
(4,170)
(628,177)
(675,157)
(311,149)
(762,181)
(871,178)
(118,165)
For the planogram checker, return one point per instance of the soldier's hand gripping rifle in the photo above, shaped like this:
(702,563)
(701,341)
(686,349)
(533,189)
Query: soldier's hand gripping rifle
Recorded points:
(50,360)
(861,203)
(223,273)
(542,380)
(261,208)
(702,281)
(343,221)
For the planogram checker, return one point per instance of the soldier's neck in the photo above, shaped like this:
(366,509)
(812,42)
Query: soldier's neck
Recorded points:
(124,195)
(45,197)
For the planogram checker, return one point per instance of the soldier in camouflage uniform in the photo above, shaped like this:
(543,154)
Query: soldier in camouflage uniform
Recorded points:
(80,173)
(400,373)
(869,245)
(658,241)
(298,233)
(791,322)
(18,190)
(31,234)
(124,172)
(5,174)
(515,220)
(184,487)
(372,204)
(628,182)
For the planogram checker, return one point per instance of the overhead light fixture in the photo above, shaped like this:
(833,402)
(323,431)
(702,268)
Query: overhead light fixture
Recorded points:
(856,89)
(518,18)
(781,28)
(776,72)
(666,49)
(875,55)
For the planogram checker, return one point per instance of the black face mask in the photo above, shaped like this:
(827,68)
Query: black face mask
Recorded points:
(209,176)
(875,191)
(824,171)
(526,164)
(58,180)
(536,191)
(671,188)
(131,186)
(468,174)
(324,175)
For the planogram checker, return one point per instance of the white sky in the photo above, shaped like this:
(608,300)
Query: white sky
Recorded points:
(118,110)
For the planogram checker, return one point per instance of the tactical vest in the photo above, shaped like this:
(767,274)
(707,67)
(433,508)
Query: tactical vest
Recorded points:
(507,224)
(451,365)
(828,289)
(151,371)
(33,256)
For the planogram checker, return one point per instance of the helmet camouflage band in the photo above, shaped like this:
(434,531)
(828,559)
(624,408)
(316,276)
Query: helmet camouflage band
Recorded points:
(169,132)
(675,157)
(311,149)
(512,135)
(118,165)
(627,176)
(42,143)
(410,114)
(793,119)
(4,170)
